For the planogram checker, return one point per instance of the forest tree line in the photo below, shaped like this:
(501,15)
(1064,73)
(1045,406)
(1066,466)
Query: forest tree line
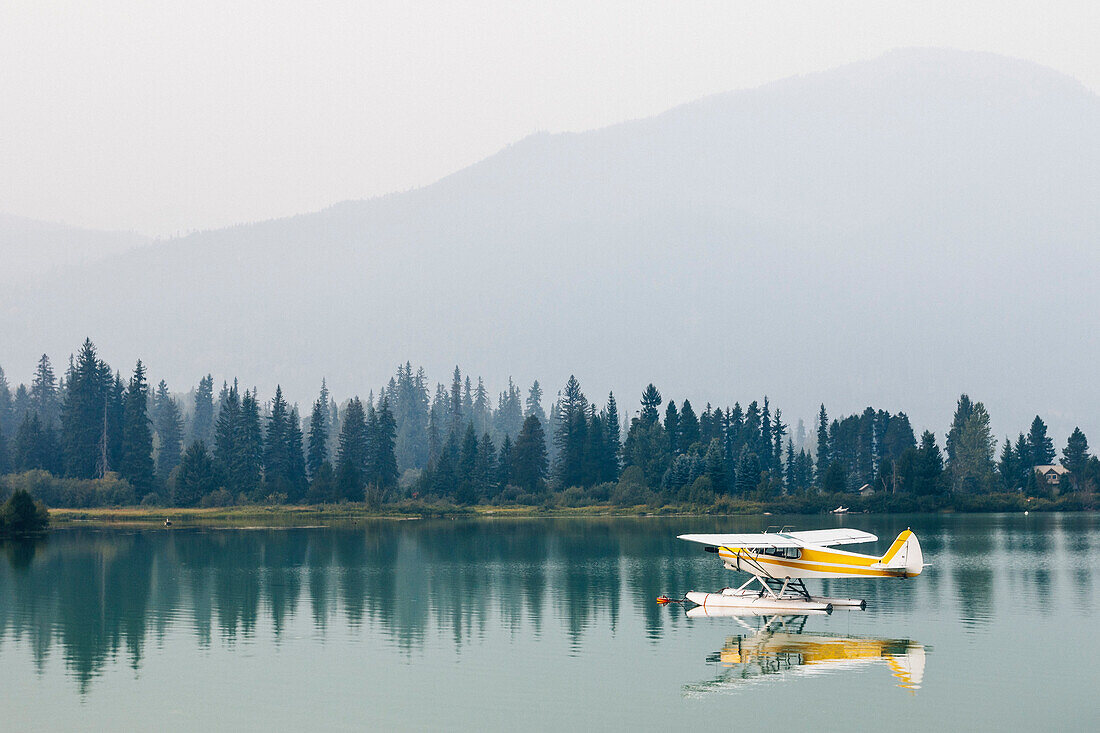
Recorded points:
(94,438)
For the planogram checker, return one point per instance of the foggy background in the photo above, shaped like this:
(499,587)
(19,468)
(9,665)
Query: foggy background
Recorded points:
(892,232)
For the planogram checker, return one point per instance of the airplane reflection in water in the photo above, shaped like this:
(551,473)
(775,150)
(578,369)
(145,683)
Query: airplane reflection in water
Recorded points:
(779,647)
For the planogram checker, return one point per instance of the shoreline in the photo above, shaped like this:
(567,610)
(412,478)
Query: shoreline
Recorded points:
(299,516)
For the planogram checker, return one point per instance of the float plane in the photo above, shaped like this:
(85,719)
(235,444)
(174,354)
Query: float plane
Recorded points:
(780,561)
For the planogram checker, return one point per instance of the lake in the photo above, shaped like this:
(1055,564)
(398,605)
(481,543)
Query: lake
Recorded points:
(545,623)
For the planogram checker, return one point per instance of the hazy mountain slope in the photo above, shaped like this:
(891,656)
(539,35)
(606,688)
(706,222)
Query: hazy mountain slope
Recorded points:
(30,248)
(891,232)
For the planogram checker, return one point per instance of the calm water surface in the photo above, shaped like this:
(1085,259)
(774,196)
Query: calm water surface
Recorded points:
(547,623)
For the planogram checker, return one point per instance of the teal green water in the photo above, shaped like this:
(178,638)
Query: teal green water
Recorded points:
(540,623)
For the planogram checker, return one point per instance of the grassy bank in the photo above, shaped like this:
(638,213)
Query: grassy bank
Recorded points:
(335,514)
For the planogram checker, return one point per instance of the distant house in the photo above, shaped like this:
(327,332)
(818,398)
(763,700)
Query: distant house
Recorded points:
(1051,476)
(866,490)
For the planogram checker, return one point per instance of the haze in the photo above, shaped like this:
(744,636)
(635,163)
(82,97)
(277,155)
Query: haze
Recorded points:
(163,118)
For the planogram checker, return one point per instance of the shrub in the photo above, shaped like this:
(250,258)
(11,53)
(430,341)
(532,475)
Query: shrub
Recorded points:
(217,497)
(22,515)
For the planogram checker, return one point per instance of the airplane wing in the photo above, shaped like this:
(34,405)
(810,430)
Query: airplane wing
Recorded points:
(824,537)
(763,540)
(830,537)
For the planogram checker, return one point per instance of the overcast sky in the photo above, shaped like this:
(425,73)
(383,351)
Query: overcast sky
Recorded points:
(164,117)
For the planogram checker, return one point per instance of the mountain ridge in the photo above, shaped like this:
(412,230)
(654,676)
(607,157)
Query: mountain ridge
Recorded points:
(756,222)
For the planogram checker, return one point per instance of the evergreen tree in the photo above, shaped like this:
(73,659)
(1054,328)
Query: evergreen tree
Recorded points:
(196,476)
(764,446)
(249,448)
(779,431)
(202,421)
(8,422)
(672,428)
(1009,466)
(529,459)
(972,467)
(716,467)
(485,469)
(963,410)
(410,407)
(614,438)
(533,406)
(468,488)
(571,436)
(226,435)
(351,462)
(454,407)
(296,460)
(1039,444)
(276,446)
(382,461)
(504,462)
(34,446)
(689,427)
(928,479)
(318,433)
(823,457)
(1075,457)
(482,410)
(85,423)
(508,418)
(136,464)
(43,395)
(748,471)
(651,400)
(168,425)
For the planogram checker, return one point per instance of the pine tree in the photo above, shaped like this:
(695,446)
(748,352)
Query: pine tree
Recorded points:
(571,435)
(43,395)
(34,446)
(8,422)
(748,471)
(1009,466)
(351,459)
(672,428)
(963,410)
(504,462)
(529,459)
(928,473)
(823,457)
(225,434)
(486,467)
(1075,457)
(202,421)
(196,477)
(482,411)
(468,488)
(296,460)
(318,433)
(972,466)
(764,446)
(168,425)
(716,467)
(382,463)
(276,443)
(690,433)
(614,439)
(410,407)
(1039,444)
(249,447)
(454,406)
(136,463)
(651,400)
(84,416)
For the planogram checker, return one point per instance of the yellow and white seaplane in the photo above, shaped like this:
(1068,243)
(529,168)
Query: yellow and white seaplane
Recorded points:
(781,561)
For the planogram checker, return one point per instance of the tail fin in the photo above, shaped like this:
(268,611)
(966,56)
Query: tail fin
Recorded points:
(904,555)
